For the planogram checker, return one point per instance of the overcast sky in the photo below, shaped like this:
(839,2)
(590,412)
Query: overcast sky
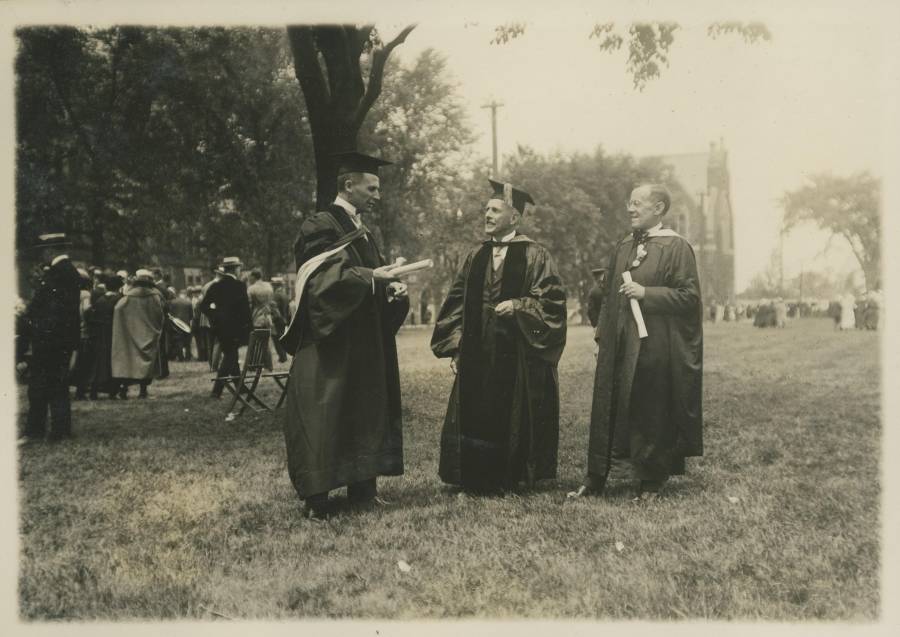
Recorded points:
(808,101)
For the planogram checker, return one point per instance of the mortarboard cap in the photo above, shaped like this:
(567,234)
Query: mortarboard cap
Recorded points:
(512,196)
(354,162)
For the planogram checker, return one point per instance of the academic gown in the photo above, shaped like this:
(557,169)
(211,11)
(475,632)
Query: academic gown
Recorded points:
(342,420)
(646,415)
(502,421)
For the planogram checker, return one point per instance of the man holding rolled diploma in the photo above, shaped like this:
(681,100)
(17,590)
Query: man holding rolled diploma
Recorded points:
(503,325)
(343,419)
(646,416)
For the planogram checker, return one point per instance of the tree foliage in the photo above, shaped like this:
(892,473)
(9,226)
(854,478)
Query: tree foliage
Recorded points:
(161,144)
(848,207)
(581,207)
(648,42)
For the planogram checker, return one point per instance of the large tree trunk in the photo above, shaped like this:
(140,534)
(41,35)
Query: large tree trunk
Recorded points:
(338,100)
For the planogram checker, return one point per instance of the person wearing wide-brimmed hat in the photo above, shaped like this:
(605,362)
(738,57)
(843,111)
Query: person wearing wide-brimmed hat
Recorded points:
(137,324)
(52,325)
(228,308)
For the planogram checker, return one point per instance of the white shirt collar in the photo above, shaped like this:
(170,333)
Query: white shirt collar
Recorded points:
(346,205)
(58,259)
(505,239)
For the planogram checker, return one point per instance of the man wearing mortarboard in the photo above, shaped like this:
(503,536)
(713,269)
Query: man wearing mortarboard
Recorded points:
(503,324)
(342,419)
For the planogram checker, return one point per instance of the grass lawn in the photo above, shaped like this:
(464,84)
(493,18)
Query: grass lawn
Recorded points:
(161,509)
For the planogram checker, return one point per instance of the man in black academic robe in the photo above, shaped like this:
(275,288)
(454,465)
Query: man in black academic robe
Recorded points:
(228,308)
(647,415)
(53,326)
(504,326)
(343,422)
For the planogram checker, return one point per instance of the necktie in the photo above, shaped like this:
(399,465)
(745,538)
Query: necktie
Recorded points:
(640,236)
(498,247)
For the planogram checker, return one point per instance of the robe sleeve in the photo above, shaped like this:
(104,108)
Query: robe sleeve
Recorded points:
(337,287)
(611,290)
(449,324)
(541,315)
(334,292)
(681,294)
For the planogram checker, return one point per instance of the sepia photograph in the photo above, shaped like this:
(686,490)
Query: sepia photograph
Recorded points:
(403,319)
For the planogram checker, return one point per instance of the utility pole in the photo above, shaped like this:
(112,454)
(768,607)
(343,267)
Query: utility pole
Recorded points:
(781,232)
(494,105)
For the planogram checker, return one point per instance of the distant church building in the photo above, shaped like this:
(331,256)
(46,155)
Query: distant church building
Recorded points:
(702,215)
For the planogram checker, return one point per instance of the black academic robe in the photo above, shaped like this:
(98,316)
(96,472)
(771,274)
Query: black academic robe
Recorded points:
(342,421)
(646,415)
(502,421)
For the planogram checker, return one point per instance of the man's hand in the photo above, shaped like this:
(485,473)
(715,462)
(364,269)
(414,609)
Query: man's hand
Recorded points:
(632,290)
(383,274)
(397,290)
(506,308)
(453,362)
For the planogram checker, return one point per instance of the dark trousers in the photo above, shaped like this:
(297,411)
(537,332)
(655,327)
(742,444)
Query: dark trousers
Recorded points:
(48,387)
(181,347)
(229,365)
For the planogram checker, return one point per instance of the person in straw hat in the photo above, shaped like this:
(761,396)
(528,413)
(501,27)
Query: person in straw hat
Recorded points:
(228,308)
(138,321)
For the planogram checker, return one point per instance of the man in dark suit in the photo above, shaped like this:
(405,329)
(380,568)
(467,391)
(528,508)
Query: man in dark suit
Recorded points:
(228,308)
(52,325)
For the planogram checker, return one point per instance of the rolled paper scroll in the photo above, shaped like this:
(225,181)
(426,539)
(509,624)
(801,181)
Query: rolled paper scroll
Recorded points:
(401,270)
(636,309)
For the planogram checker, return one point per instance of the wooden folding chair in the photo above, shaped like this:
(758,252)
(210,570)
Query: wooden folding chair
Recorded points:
(252,370)
(281,378)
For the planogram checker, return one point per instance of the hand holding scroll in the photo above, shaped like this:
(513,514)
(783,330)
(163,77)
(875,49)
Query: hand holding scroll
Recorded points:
(634,289)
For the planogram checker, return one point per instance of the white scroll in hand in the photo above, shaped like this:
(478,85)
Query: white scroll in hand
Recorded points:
(636,309)
(402,270)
